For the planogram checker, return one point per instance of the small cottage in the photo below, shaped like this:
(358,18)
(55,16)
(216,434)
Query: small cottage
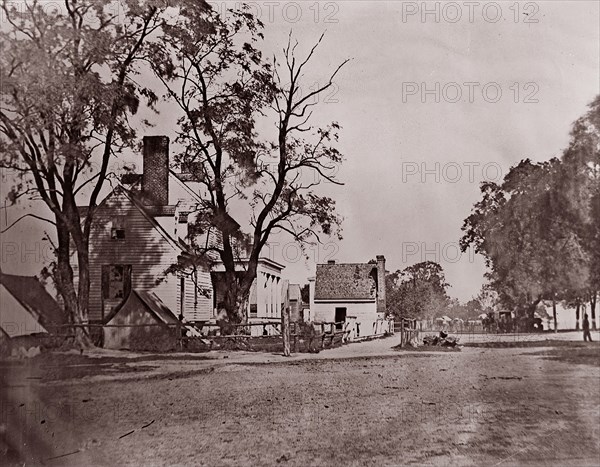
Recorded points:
(351,295)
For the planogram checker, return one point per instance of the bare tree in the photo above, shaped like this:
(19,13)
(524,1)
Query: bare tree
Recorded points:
(215,72)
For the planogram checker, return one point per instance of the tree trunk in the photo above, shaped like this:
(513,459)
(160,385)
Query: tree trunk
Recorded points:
(66,287)
(530,314)
(577,316)
(554,313)
(84,285)
(242,305)
(83,335)
(285,331)
(593,301)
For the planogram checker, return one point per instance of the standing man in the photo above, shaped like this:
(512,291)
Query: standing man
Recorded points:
(586,328)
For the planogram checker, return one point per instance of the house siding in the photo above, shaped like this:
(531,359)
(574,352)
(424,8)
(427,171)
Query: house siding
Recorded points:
(146,250)
(363,318)
(196,306)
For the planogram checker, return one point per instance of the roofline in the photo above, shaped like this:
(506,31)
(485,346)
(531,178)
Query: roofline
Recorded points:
(260,260)
(345,300)
(271,262)
(155,224)
(184,185)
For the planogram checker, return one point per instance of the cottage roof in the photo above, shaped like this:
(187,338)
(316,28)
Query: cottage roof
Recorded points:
(32,295)
(151,303)
(350,281)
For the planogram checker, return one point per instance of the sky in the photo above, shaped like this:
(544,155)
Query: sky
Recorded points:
(436,98)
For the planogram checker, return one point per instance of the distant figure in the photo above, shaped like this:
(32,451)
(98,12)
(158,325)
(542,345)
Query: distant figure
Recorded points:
(586,328)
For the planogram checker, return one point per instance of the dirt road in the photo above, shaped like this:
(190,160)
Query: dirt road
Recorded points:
(364,404)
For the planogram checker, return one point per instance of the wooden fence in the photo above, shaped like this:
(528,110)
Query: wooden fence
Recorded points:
(203,337)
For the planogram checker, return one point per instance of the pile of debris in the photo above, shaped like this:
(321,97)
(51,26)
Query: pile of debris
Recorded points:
(443,340)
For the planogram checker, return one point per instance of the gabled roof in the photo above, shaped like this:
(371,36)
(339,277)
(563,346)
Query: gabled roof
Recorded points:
(152,304)
(32,295)
(355,281)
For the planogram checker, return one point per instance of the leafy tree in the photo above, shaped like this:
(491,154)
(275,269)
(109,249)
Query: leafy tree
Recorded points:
(473,308)
(524,229)
(68,91)
(211,66)
(539,230)
(581,180)
(418,291)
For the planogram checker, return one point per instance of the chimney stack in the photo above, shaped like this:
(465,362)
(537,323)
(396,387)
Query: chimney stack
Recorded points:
(381,284)
(155,180)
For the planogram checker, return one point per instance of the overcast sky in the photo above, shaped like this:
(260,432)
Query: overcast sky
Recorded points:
(430,105)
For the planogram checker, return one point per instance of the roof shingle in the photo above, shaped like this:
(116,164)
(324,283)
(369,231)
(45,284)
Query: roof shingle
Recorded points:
(356,281)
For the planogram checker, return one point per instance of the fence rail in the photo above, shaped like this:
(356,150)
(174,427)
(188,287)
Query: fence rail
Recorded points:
(181,336)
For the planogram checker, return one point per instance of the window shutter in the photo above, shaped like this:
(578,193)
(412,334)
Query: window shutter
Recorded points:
(127,270)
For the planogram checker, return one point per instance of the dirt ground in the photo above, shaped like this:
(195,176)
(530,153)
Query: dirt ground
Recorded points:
(525,403)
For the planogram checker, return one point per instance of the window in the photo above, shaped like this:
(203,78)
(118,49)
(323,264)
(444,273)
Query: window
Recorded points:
(117,234)
(116,285)
(182,218)
(116,281)
(253,310)
(117,231)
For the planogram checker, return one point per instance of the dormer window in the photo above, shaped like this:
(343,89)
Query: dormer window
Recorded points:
(117,230)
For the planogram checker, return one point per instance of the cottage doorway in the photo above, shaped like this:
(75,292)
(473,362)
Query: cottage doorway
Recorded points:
(340,317)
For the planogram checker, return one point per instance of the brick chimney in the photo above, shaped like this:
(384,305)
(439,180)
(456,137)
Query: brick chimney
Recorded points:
(155,180)
(381,284)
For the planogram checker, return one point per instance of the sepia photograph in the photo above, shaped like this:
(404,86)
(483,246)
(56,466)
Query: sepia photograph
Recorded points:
(299,233)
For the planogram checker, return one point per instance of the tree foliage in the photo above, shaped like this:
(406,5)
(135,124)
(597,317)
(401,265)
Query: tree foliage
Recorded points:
(418,291)
(68,91)
(538,228)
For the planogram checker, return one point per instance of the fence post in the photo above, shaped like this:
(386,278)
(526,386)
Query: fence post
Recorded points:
(285,331)
(295,337)
(402,333)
